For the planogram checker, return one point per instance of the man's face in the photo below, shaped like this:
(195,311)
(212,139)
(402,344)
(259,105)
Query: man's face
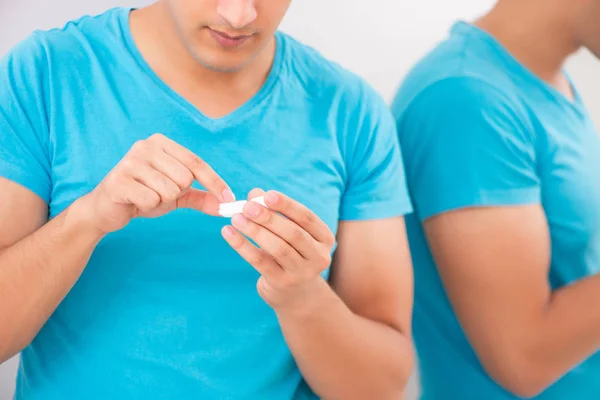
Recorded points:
(588,26)
(226,35)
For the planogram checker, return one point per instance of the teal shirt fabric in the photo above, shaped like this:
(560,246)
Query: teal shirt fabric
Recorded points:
(165,308)
(478,129)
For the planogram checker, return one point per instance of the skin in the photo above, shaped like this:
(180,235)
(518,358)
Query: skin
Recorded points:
(350,336)
(216,80)
(587,29)
(193,21)
(494,262)
(351,330)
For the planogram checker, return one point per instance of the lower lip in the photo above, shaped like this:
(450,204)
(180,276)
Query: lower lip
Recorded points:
(228,42)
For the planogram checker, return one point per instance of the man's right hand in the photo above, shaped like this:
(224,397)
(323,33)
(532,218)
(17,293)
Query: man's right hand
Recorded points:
(154,178)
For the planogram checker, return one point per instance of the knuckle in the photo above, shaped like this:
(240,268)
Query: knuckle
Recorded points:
(255,231)
(309,219)
(330,239)
(153,199)
(118,183)
(171,190)
(163,181)
(282,251)
(186,180)
(326,260)
(148,203)
(197,162)
(129,163)
(216,182)
(171,196)
(176,190)
(268,218)
(140,147)
(237,243)
(257,259)
(298,235)
(157,137)
(113,179)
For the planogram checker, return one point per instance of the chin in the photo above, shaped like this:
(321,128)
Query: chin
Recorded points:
(221,61)
(224,66)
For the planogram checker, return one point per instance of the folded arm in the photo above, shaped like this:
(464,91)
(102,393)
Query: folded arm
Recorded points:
(494,263)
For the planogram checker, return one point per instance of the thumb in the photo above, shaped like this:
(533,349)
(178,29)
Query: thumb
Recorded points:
(199,200)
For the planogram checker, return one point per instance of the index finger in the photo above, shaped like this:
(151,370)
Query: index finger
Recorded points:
(301,215)
(203,173)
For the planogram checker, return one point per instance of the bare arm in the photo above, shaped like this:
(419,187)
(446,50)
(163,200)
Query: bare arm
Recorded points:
(356,344)
(39,263)
(351,340)
(494,263)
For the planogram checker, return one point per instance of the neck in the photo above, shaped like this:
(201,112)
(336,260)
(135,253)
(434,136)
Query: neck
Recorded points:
(538,37)
(158,40)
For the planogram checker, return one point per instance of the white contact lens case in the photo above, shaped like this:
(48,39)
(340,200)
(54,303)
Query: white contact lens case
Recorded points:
(228,210)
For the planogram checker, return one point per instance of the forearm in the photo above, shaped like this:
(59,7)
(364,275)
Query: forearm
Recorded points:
(37,272)
(538,348)
(345,356)
(570,327)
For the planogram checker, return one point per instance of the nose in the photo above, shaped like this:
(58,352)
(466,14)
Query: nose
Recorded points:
(237,13)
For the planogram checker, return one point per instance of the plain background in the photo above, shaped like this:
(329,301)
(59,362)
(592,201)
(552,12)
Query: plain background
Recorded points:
(378,39)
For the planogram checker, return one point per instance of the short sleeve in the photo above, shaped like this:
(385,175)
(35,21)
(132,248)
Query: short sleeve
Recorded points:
(376,184)
(24,136)
(468,144)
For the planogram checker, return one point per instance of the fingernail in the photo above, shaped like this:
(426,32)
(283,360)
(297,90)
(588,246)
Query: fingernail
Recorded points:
(239,220)
(228,231)
(271,198)
(252,209)
(228,196)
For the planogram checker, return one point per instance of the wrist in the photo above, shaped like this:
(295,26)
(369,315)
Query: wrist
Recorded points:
(316,298)
(79,219)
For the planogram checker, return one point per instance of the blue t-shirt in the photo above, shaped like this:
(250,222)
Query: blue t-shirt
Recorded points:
(165,308)
(478,129)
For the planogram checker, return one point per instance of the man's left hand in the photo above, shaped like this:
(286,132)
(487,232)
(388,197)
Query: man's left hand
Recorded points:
(294,248)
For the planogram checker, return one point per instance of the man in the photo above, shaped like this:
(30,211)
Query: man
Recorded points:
(503,164)
(114,277)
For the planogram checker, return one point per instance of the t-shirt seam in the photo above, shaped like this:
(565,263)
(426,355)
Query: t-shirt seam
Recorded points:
(481,198)
(401,207)
(25,178)
(432,85)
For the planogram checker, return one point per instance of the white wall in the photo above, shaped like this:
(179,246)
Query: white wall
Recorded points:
(379,39)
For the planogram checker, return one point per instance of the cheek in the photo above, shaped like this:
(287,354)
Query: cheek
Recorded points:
(228,3)
(190,13)
(271,13)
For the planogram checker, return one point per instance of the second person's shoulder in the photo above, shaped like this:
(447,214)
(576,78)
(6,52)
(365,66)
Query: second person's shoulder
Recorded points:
(456,85)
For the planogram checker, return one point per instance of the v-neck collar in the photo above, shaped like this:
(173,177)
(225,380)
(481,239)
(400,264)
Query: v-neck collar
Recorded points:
(210,123)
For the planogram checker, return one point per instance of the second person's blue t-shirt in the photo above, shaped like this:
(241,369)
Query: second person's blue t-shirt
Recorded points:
(478,129)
